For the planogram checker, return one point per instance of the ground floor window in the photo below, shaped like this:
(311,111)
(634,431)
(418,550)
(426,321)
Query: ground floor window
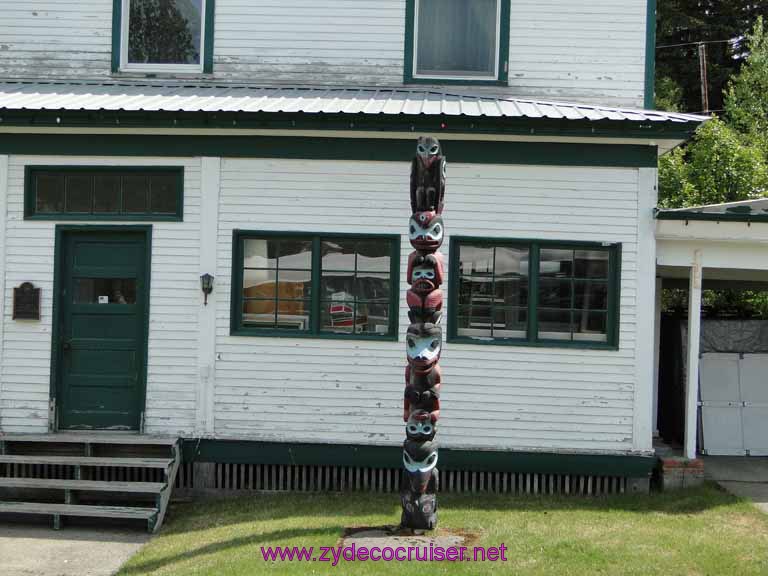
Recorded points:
(300,284)
(534,292)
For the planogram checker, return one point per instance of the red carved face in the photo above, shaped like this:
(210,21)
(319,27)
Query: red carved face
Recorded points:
(425,231)
(425,272)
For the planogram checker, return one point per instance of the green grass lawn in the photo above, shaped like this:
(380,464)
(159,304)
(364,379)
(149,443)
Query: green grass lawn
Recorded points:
(692,532)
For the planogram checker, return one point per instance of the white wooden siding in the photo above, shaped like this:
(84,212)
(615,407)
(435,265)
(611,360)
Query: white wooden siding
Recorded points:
(174,296)
(345,42)
(559,50)
(494,396)
(55,39)
(584,51)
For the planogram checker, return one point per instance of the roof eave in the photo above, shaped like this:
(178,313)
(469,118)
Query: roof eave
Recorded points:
(675,131)
(682,215)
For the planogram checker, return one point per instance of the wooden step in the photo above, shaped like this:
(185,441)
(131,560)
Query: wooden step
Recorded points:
(90,485)
(87,461)
(77,510)
(72,438)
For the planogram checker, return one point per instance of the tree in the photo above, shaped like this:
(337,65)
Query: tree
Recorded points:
(160,34)
(717,166)
(691,21)
(669,95)
(746,100)
(727,160)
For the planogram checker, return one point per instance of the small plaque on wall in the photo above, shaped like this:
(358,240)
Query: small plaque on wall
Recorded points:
(26,302)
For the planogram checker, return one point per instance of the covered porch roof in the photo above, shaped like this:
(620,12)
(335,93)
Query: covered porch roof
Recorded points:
(731,238)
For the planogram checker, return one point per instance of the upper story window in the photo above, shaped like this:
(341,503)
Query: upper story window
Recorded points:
(104,193)
(163,35)
(534,292)
(457,41)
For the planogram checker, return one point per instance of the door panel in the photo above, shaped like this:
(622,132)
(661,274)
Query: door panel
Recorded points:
(102,338)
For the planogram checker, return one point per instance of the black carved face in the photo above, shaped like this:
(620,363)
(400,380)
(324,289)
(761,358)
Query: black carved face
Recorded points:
(419,511)
(423,346)
(427,148)
(420,427)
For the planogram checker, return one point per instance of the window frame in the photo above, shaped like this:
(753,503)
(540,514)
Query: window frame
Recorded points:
(237,328)
(120,24)
(534,246)
(501,78)
(30,204)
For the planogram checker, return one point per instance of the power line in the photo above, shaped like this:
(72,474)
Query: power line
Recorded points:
(696,43)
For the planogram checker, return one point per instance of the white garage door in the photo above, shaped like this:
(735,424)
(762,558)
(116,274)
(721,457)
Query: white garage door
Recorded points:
(734,404)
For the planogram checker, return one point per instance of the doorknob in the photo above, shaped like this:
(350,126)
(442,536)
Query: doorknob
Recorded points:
(67,345)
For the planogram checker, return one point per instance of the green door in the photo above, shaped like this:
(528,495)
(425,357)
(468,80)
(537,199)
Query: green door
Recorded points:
(103,303)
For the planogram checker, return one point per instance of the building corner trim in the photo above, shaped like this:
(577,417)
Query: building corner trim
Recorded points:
(3,219)
(650,56)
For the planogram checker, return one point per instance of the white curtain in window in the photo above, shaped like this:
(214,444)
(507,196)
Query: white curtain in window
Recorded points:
(456,38)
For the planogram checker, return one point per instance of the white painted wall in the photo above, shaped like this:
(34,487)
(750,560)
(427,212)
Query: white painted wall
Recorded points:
(559,50)
(584,51)
(351,391)
(174,298)
(494,396)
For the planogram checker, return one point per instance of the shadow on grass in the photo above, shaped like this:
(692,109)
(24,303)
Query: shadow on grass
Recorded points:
(215,547)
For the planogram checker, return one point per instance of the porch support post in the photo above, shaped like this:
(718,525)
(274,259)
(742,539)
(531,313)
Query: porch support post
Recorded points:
(692,368)
(209,231)
(3,217)
(646,274)
(656,356)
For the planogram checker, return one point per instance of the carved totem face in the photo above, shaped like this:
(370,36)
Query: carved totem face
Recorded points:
(427,150)
(425,230)
(425,272)
(419,459)
(420,427)
(423,346)
(419,510)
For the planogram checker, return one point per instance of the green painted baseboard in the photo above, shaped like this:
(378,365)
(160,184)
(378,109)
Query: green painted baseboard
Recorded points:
(252,452)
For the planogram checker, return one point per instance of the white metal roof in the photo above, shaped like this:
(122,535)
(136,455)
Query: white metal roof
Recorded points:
(167,97)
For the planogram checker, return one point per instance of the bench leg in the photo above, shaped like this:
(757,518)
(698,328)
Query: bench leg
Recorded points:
(57,522)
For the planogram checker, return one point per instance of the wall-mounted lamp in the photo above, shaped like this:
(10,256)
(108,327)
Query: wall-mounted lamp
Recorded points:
(206,285)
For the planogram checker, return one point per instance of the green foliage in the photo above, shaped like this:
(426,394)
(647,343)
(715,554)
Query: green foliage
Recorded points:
(686,21)
(160,34)
(746,101)
(669,95)
(739,304)
(717,166)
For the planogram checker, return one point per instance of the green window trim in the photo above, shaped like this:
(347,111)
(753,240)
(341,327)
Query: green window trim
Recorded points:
(206,40)
(503,51)
(649,99)
(534,246)
(237,327)
(31,174)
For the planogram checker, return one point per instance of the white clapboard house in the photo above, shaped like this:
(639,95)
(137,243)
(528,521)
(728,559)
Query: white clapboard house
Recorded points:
(266,147)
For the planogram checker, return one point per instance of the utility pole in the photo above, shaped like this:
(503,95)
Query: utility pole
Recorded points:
(703,75)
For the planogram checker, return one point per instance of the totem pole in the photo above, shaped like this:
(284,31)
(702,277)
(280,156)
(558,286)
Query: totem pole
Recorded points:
(424,338)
